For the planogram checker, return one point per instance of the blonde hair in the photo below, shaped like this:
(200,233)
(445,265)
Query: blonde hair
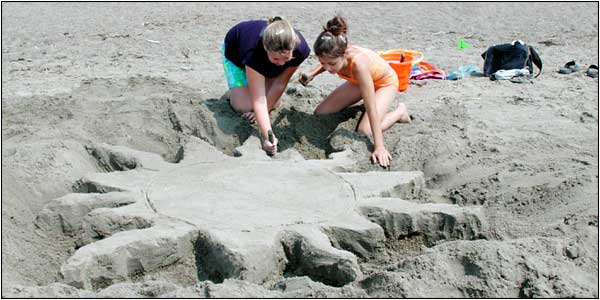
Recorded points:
(279,36)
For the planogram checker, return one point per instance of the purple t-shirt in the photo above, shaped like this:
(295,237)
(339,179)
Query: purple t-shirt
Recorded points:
(244,47)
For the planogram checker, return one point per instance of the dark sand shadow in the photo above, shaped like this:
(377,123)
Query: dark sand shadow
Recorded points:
(311,134)
(228,120)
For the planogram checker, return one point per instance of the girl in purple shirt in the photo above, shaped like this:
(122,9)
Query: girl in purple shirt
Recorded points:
(259,58)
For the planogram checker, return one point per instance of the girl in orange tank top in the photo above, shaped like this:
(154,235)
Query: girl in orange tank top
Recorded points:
(368,78)
(381,72)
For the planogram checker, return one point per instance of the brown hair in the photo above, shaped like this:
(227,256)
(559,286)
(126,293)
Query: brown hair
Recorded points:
(279,36)
(332,41)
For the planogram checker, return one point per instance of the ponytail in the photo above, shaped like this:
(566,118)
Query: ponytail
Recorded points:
(332,40)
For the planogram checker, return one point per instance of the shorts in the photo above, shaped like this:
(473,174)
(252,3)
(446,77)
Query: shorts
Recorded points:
(236,77)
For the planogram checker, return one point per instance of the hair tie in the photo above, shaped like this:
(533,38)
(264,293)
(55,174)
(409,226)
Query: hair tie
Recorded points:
(326,37)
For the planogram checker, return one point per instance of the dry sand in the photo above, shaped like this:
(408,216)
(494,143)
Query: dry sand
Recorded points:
(149,75)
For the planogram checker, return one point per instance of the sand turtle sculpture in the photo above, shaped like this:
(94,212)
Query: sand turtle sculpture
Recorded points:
(248,217)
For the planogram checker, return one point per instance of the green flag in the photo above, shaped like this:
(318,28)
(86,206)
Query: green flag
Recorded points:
(461,44)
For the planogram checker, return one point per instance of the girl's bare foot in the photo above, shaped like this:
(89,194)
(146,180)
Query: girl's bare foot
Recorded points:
(402,111)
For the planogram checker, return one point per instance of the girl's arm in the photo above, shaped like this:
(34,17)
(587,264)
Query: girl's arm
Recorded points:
(305,78)
(362,72)
(279,85)
(256,85)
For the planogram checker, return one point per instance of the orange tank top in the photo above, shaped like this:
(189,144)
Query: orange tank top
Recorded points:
(381,72)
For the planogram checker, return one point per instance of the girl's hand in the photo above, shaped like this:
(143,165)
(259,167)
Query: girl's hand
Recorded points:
(381,156)
(270,148)
(305,79)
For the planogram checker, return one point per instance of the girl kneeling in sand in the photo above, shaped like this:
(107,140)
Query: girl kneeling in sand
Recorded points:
(369,77)
(259,58)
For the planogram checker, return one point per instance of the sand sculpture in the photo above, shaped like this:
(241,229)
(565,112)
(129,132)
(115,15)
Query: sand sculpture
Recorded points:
(236,221)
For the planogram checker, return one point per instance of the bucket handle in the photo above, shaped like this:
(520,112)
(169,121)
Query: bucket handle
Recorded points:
(414,53)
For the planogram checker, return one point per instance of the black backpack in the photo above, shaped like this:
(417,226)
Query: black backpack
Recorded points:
(516,55)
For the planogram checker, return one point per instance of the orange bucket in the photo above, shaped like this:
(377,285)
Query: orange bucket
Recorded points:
(402,62)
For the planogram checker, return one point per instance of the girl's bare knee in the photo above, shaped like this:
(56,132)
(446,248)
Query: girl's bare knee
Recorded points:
(239,106)
(240,99)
